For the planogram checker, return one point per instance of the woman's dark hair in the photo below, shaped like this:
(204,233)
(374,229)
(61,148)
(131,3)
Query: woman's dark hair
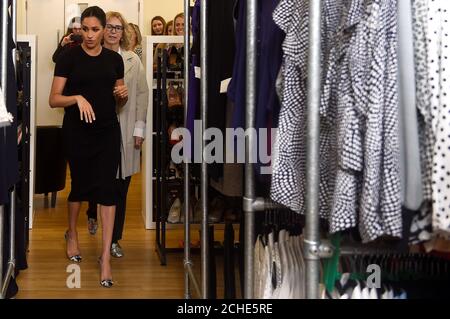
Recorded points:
(70,26)
(96,12)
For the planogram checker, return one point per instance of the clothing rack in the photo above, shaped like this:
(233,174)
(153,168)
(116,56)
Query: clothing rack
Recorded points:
(4,282)
(313,247)
(164,186)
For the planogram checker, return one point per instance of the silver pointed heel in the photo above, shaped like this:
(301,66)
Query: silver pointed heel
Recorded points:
(74,258)
(106,283)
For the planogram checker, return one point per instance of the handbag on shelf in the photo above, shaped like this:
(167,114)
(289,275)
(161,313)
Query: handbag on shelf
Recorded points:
(175,58)
(180,90)
(173,97)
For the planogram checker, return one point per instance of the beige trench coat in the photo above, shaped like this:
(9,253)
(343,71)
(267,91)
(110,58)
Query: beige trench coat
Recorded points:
(133,115)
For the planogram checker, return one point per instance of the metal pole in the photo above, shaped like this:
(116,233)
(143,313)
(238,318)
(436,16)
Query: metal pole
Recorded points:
(4,88)
(204,169)
(12,241)
(312,236)
(187,221)
(190,272)
(250,144)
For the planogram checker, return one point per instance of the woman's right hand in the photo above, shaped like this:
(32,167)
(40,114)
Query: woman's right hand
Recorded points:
(66,40)
(86,111)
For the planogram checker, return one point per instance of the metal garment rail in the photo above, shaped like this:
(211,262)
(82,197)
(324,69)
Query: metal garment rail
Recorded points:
(312,236)
(204,173)
(188,271)
(4,282)
(314,249)
(189,276)
(251,204)
(187,221)
(249,195)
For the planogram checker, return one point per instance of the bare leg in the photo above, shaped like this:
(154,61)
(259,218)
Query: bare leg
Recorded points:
(72,244)
(108,214)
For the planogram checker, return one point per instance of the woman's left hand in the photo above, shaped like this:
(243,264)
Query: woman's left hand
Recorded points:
(121,92)
(138,142)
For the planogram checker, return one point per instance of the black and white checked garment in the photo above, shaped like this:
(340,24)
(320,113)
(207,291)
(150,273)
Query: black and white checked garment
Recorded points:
(289,152)
(359,167)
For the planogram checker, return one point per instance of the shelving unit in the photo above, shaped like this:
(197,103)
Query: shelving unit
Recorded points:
(167,189)
(149,170)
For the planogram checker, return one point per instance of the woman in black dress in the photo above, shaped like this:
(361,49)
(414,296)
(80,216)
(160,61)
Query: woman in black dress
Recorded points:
(88,83)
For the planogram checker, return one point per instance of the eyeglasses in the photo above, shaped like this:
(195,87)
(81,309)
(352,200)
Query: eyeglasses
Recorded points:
(117,28)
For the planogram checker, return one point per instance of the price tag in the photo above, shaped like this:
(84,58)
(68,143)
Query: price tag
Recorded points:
(224,85)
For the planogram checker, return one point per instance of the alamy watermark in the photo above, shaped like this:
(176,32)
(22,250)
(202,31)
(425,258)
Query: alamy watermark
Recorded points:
(74,279)
(374,279)
(224,149)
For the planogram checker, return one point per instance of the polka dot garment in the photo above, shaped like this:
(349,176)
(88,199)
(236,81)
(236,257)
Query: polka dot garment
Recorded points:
(439,75)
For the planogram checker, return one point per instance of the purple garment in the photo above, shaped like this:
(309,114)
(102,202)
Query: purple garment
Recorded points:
(194,83)
(269,54)
(236,88)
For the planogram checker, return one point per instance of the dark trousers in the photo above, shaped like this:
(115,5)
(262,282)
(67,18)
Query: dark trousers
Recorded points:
(119,221)
(92,210)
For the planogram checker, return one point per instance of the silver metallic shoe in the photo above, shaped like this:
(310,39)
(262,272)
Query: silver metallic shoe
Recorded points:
(92,226)
(116,250)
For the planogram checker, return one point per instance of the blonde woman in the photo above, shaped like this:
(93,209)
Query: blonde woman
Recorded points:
(176,51)
(132,117)
(168,30)
(178,24)
(135,40)
(158,25)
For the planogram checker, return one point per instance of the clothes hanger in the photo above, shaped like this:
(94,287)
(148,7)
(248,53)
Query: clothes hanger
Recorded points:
(265,234)
(397,270)
(276,224)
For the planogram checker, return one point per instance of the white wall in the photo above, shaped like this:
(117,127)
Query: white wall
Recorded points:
(21,17)
(167,9)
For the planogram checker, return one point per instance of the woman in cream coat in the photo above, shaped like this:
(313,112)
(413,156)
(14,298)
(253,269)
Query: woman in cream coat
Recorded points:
(132,117)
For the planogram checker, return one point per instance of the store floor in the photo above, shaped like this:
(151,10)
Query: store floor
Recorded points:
(137,275)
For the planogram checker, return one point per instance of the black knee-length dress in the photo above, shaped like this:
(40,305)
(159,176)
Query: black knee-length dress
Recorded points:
(92,149)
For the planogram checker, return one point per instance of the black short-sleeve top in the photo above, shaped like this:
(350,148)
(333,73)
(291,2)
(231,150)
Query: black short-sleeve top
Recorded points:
(92,77)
